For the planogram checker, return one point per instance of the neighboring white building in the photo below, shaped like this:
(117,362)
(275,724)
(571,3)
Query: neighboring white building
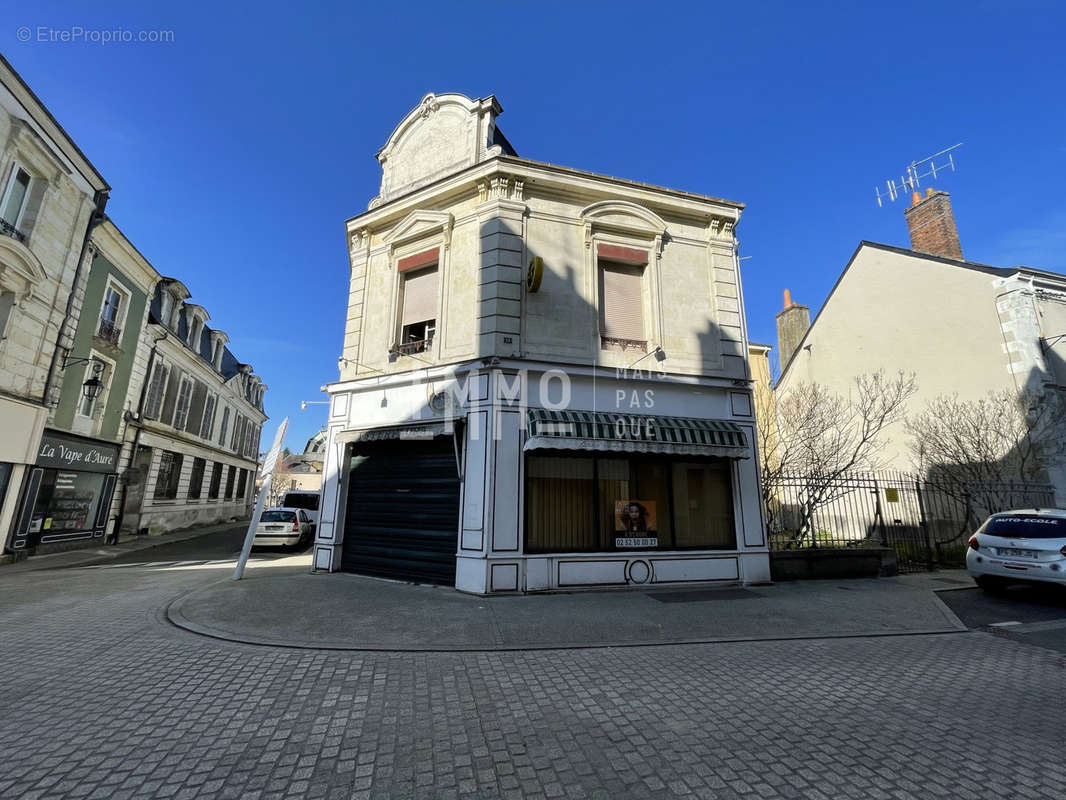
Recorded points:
(962,327)
(193,442)
(50,198)
(544,380)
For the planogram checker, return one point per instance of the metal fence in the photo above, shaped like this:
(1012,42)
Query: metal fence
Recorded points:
(926,523)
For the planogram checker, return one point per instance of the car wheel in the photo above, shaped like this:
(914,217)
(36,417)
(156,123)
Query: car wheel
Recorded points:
(991,585)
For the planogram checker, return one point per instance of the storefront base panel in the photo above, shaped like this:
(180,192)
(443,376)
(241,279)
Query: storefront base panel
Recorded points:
(603,570)
(162,520)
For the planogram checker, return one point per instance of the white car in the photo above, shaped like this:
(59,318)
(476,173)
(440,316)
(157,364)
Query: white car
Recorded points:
(1024,545)
(301,498)
(279,527)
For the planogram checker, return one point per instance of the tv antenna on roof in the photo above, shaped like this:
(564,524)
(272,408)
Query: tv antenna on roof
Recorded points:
(911,180)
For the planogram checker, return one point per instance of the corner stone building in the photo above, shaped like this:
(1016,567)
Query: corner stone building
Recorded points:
(544,380)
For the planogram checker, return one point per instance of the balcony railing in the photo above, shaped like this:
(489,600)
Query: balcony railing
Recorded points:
(614,343)
(418,346)
(7,229)
(109,332)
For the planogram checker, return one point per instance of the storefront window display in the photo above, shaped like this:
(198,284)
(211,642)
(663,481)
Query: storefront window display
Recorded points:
(66,502)
(617,503)
(68,492)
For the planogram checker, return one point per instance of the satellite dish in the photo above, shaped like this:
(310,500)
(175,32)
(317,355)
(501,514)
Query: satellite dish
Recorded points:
(534,273)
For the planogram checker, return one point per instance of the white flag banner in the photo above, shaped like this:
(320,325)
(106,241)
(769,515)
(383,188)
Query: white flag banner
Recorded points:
(268,467)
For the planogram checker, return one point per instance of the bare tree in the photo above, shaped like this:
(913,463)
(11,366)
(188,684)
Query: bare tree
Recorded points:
(820,437)
(987,453)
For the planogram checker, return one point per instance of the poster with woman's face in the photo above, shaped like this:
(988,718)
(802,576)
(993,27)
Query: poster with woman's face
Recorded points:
(635,524)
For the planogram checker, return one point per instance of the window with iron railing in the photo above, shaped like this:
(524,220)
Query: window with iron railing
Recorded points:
(108,329)
(13,203)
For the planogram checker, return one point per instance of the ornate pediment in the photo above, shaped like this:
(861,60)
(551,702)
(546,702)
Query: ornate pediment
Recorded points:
(624,217)
(421,223)
(443,134)
(20,270)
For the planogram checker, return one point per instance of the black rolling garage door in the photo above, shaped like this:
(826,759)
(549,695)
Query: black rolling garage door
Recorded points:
(402,516)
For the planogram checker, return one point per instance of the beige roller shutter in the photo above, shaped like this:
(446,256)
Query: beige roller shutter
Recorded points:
(623,315)
(420,296)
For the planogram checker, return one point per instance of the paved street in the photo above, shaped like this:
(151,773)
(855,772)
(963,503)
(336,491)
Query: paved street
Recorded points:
(1031,613)
(103,697)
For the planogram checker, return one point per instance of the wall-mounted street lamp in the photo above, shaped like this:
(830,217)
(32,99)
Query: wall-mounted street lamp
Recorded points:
(658,353)
(305,403)
(91,388)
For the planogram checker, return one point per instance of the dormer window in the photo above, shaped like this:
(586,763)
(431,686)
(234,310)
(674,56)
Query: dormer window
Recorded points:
(166,306)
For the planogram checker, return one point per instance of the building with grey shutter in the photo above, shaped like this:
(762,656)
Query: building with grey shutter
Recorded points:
(193,440)
(544,380)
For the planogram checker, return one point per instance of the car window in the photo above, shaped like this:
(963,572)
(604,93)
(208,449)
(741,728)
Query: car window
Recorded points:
(278,516)
(1026,526)
(299,500)
(303,517)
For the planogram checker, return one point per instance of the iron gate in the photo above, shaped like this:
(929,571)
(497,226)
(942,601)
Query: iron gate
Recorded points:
(926,524)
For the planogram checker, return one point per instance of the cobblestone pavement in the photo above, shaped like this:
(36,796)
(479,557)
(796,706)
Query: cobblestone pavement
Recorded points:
(102,698)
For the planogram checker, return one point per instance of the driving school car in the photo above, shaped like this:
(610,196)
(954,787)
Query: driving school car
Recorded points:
(1022,545)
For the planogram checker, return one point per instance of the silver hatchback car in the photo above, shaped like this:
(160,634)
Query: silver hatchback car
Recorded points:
(283,526)
(1028,544)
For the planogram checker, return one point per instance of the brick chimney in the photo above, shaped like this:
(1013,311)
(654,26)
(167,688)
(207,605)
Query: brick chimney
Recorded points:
(932,225)
(792,324)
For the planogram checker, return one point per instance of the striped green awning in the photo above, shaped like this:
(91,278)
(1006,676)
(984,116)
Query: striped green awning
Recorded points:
(635,433)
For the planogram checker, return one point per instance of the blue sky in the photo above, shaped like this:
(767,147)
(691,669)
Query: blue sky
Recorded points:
(238,150)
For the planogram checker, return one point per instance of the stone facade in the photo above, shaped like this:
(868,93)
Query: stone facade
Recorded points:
(485,222)
(191,448)
(51,192)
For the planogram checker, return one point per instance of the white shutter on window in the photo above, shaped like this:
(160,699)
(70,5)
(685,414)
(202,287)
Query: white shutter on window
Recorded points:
(420,296)
(623,315)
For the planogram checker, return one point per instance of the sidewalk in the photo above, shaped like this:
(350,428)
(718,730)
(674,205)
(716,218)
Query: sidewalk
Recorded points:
(284,605)
(103,553)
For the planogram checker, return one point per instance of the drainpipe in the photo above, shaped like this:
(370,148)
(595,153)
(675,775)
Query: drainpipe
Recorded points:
(136,435)
(95,218)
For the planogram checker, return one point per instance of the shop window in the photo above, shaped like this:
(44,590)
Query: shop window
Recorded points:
(242,484)
(560,514)
(168,476)
(703,505)
(216,482)
(196,478)
(600,504)
(66,502)
(621,306)
(229,482)
(418,318)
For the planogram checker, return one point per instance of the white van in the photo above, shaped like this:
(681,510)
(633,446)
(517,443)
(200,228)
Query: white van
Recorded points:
(308,501)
